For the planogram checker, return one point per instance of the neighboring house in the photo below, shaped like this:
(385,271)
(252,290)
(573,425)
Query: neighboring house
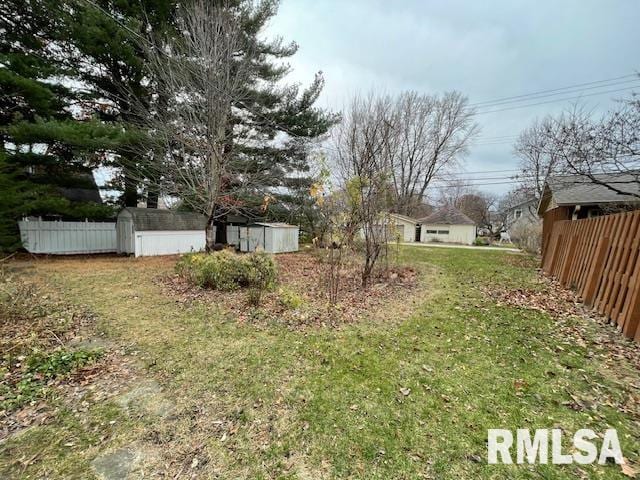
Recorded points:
(521,216)
(572,197)
(399,227)
(447,224)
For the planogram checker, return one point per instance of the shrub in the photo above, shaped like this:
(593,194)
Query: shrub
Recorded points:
(481,241)
(528,236)
(226,270)
(289,299)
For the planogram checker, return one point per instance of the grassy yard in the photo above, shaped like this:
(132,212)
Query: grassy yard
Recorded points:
(395,396)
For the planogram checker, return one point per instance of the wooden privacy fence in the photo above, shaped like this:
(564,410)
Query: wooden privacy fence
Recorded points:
(40,236)
(600,258)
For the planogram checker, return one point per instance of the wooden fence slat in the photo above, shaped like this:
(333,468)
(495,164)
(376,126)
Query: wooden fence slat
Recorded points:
(600,300)
(600,259)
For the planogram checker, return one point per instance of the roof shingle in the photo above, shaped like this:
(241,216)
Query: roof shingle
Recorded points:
(578,189)
(447,216)
(150,219)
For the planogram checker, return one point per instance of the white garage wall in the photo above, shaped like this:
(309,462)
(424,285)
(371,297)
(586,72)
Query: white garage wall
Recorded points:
(164,242)
(465,234)
(406,229)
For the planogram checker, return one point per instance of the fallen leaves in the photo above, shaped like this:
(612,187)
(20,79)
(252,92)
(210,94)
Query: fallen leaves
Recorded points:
(628,470)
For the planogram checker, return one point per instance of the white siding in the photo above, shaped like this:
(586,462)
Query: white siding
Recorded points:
(270,239)
(233,235)
(126,239)
(465,234)
(168,242)
(283,240)
(404,228)
(67,238)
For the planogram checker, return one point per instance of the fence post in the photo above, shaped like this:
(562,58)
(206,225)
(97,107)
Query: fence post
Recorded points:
(595,271)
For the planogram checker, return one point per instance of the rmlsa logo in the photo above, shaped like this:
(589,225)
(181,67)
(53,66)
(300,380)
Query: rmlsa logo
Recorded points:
(536,450)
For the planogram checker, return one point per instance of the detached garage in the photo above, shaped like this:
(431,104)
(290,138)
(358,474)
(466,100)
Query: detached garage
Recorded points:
(403,227)
(149,231)
(448,225)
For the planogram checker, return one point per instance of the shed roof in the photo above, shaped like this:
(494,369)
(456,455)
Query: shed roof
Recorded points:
(274,225)
(569,190)
(447,216)
(149,219)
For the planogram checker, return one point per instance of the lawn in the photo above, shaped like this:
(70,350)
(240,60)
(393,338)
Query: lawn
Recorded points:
(189,391)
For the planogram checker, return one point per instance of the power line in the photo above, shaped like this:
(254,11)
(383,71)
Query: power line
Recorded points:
(636,82)
(552,101)
(554,90)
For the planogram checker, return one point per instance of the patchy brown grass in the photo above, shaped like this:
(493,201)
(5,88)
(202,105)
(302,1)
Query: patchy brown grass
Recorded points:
(34,320)
(305,276)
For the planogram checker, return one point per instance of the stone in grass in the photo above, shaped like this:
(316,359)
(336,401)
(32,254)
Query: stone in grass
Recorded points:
(116,465)
(148,397)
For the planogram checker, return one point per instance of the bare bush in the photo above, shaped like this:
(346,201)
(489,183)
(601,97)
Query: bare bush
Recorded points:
(363,142)
(527,236)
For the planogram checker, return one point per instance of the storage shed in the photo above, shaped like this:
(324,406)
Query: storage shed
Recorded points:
(448,225)
(269,237)
(150,231)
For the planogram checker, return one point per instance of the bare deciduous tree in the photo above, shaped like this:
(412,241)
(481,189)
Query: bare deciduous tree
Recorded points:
(611,144)
(363,146)
(538,158)
(430,135)
(199,76)
(577,143)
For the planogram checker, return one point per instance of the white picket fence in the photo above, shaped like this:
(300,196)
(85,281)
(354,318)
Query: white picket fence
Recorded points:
(60,238)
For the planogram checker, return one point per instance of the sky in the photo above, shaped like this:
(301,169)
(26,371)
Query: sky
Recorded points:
(485,49)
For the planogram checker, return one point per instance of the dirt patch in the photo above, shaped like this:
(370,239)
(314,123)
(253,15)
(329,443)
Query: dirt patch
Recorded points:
(305,275)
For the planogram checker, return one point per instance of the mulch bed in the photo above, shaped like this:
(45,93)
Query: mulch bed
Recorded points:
(306,275)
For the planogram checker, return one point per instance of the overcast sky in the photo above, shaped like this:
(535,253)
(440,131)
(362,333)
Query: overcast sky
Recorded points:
(484,49)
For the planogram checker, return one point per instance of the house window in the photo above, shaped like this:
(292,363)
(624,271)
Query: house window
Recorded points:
(518,214)
(443,232)
(433,232)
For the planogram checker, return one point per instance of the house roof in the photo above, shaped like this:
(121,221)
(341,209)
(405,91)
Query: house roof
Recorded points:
(447,216)
(531,201)
(149,219)
(274,225)
(403,218)
(569,190)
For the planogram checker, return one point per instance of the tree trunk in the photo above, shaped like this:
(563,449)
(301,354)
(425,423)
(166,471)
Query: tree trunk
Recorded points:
(210,238)
(152,198)
(221,232)
(130,194)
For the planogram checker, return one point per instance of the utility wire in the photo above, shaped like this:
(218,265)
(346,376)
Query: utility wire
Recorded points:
(636,83)
(553,101)
(477,104)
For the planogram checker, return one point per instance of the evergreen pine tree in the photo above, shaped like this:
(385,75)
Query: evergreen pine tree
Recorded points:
(46,153)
